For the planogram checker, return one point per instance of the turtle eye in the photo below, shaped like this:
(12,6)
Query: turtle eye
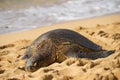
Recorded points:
(35,64)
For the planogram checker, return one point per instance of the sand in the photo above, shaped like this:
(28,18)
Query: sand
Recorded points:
(104,31)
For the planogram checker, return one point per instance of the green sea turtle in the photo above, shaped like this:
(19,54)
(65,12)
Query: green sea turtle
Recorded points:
(58,45)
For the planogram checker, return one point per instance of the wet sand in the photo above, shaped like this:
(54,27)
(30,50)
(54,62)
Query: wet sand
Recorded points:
(104,31)
(15,4)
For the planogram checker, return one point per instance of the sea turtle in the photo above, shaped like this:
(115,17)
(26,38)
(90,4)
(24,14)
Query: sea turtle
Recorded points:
(58,45)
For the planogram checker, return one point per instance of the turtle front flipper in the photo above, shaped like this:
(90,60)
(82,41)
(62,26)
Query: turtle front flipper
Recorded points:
(26,56)
(95,55)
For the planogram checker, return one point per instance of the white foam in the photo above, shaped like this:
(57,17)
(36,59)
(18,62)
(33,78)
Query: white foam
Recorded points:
(46,15)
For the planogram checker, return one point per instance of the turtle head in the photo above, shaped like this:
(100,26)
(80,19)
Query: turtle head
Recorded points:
(31,65)
(34,63)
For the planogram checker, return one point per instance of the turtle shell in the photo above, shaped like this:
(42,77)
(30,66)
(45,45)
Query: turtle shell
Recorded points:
(66,35)
(59,36)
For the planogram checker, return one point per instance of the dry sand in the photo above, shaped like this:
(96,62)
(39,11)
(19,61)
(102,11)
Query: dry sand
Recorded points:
(104,31)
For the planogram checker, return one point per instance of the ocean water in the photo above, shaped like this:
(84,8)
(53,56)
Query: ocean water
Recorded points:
(19,15)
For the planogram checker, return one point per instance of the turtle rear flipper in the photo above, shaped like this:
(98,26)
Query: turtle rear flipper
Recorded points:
(107,53)
(95,55)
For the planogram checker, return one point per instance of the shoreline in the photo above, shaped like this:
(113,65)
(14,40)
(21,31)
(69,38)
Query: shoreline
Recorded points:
(90,22)
(117,15)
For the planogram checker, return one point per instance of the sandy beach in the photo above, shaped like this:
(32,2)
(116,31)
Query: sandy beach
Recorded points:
(104,31)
